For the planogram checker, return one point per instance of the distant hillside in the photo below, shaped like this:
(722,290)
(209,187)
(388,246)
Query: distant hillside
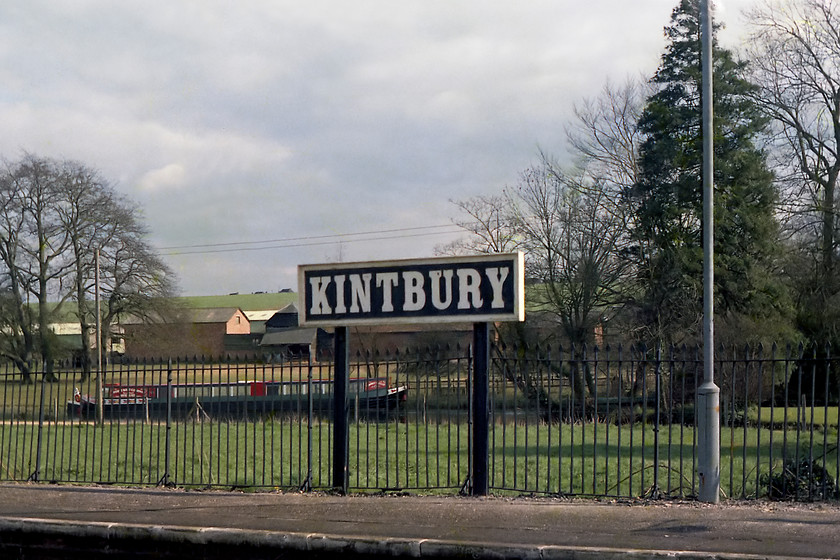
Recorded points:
(246,302)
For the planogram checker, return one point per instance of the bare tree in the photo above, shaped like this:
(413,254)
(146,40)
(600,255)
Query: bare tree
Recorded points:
(46,248)
(795,56)
(573,244)
(18,341)
(605,139)
(572,232)
(489,226)
(605,135)
(135,280)
(571,223)
(87,216)
(54,216)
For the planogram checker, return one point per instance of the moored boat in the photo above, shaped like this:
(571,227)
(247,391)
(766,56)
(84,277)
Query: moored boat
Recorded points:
(368,397)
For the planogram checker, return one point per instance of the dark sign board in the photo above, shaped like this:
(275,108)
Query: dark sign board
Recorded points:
(448,289)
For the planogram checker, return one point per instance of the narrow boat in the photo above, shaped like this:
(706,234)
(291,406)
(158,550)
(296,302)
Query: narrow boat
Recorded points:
(367,397)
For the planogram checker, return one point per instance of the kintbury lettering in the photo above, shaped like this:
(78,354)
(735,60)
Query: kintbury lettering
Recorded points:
(389,292)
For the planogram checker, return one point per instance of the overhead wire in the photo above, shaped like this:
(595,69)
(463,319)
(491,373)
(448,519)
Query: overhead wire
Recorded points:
(310,240)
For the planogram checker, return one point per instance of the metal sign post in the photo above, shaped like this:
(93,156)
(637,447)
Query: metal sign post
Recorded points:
(477,289)
(341,434)
(480,460)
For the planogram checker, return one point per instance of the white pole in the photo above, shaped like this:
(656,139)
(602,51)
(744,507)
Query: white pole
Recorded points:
(708,394)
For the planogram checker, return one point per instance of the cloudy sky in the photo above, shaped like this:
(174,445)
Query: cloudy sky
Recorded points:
(262,134)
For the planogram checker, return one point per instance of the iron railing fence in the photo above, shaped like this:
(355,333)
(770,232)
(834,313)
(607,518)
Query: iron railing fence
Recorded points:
(612,422)
(595,423)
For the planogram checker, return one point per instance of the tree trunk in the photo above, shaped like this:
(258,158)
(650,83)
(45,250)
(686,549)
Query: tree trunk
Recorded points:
(829,235)
(47,350)
(86,351)
(24,369)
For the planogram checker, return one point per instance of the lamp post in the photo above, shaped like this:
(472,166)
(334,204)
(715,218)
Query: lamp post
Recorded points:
(708,394)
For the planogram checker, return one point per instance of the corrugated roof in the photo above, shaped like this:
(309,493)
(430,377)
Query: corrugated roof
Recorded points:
(264,315)
(197,315)
(290,336)
(211,314)
(291,308)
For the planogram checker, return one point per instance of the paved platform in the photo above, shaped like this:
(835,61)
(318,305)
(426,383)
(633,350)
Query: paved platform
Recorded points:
(40,521)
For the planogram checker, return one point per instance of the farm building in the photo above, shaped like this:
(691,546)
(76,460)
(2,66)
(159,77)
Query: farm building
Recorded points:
(389,338)
(258,319)
(286,318)
(284,339)
(215,332)
(211,332)
(69,336)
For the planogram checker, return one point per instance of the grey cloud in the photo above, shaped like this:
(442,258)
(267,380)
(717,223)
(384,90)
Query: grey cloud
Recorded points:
(281,119)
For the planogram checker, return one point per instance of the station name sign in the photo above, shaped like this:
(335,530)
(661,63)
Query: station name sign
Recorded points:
(447,289)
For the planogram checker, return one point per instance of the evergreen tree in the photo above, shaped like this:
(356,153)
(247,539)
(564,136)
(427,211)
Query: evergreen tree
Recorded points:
(668,198)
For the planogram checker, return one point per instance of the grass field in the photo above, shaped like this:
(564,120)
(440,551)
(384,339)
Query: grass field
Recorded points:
(246,302)
(594,459)
(426,449)
(806,415)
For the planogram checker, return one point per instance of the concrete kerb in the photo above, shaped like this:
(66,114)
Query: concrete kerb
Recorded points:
(356,546)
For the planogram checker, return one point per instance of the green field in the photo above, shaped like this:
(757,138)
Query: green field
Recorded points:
(246,302)
(806,415)
(425,449)
(594,459)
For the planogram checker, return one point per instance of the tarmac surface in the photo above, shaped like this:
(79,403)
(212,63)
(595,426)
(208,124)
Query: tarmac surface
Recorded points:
(47,521)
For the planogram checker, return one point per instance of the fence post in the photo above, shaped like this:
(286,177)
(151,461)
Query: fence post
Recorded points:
(37,472)
(656,493)
(341,434)
(481,410)
(164,481)
(306,485)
